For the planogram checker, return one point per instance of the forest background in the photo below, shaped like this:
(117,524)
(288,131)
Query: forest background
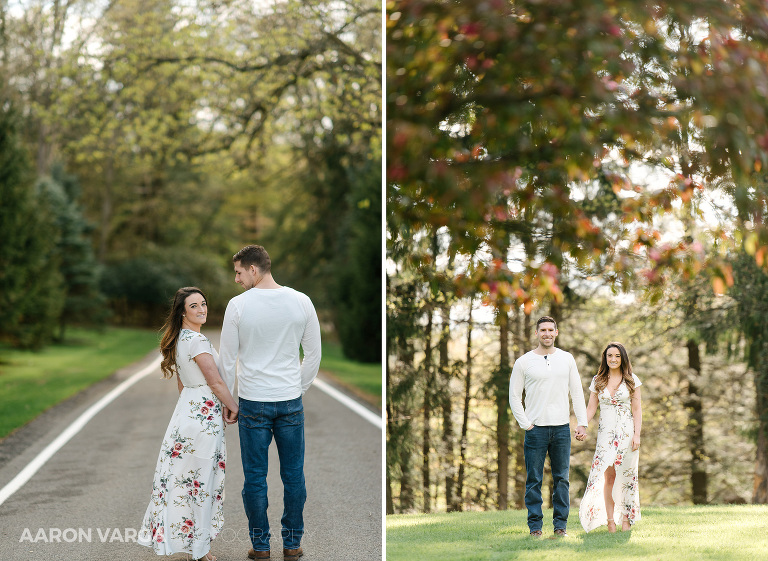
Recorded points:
(603,162)
(142,143)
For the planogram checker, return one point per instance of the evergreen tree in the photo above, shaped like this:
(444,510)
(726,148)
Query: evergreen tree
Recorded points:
(358,281)
(31,286)
(84,302)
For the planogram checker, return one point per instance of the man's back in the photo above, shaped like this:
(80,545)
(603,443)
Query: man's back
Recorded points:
(263,328)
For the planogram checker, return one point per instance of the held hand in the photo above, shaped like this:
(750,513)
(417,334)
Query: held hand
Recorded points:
(232,417)
(580,433)
(635,442)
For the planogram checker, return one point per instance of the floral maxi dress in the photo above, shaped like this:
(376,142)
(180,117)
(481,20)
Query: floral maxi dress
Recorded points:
(185,511)
(614,448)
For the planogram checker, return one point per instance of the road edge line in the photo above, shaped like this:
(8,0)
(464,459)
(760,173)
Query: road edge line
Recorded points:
(76,426)
(365,413)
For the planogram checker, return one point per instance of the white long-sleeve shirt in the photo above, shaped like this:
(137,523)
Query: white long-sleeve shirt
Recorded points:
(260,340)
(547,381)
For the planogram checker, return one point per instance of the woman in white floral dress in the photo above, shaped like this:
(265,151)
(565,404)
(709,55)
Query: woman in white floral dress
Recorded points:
(613,478)
(185,512)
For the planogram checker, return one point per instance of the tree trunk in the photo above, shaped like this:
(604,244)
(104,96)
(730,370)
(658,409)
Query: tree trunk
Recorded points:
(400,354)
(760,492)
(407,501)
(426,443)
(390,414)
(465,418)
(524,345)
(696,427)
(501,385)
(449,457)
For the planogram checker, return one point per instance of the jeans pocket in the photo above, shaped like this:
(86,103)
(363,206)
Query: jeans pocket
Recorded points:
(296,418)
(251,422)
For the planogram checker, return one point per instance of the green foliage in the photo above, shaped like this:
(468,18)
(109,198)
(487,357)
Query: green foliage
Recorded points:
(543,154)
(504,115)
(84,302)
(140,289)
(664,534)
(751,294)
(203,127)
(366,377)
(655,338)
(31,287)
(358,261)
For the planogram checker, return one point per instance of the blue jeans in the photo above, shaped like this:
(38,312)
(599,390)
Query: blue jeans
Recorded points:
(540,441)
(258,422)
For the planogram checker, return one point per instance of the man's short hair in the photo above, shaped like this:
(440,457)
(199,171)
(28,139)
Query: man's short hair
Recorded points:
(253,255)
(545,319)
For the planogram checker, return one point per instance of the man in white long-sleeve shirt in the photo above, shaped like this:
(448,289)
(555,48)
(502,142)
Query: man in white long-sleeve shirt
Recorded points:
(548,375)
(263,329)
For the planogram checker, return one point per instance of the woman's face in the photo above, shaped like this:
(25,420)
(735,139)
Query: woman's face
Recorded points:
(613,358)
(195,310)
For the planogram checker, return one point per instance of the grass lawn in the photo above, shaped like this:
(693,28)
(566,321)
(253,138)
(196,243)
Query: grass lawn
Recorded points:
(365,377)
(32,382)
(691,533)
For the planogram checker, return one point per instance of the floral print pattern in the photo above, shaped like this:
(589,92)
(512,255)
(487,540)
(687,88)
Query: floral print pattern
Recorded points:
(615,431)
(177,446)
(185,511)
(208,412)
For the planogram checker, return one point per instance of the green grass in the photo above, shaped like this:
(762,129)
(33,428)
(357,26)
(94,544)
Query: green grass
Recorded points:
(365,377)
(32,382)
(712,533)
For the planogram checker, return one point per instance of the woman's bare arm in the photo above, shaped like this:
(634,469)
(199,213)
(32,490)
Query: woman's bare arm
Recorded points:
(213,378)
(592,406)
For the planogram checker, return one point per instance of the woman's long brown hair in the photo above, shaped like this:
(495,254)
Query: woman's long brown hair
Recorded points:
(172,328)
(604,371)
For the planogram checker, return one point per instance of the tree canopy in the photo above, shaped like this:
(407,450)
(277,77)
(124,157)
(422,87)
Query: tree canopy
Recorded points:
(194,128)
(506,114)
(546,157)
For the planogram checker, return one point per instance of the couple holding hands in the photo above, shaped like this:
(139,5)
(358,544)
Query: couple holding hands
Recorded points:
(260,338)
(548,375)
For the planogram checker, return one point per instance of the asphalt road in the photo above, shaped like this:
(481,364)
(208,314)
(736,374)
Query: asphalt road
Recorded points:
(88,500)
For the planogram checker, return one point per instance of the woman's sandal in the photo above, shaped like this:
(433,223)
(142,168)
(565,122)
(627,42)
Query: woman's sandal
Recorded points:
(612,526)
(625,525)
(207,557)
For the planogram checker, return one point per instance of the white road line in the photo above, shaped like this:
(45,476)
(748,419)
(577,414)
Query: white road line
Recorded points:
(26,474)
(349,402)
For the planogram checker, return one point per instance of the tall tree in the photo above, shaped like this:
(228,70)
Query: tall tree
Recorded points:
(696,427)
(544,98)
(750,290)
(465,412)
(401,377)
(31,287)
(84,302)
(202,124)
(357,290)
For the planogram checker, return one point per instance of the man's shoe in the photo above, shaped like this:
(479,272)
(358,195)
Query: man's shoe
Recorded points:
(292,554)
(253,554)
(536,533)
(561,533)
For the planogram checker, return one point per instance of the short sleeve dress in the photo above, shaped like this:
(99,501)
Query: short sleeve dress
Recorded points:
(185,511)
(614,448)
